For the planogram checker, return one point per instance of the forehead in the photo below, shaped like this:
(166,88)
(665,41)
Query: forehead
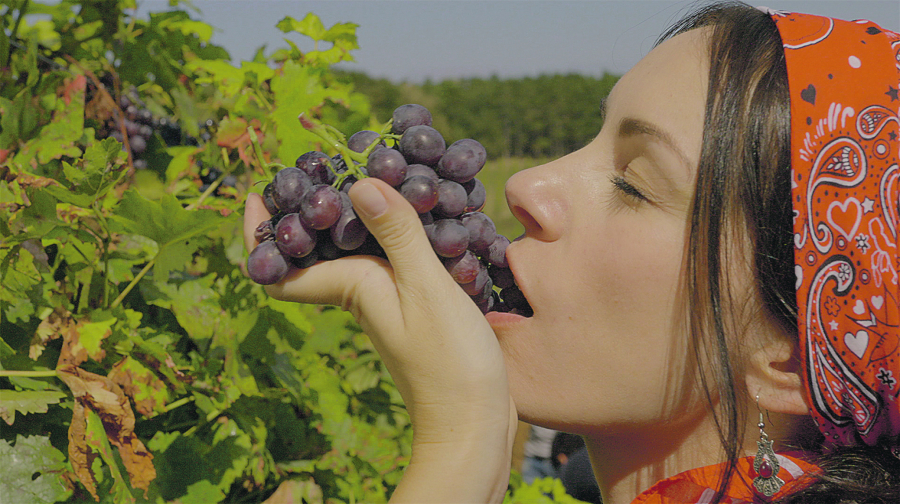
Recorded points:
(667,88)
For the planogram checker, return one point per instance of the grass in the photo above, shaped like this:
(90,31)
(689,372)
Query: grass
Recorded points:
(494,176)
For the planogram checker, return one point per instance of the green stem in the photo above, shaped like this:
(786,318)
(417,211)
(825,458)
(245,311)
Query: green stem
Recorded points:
(353,159)
(85,293)
(134,282)
(177,404)
(209,418)
(105,255)
(21,15)
(29,374)
(215,183)
(262,99)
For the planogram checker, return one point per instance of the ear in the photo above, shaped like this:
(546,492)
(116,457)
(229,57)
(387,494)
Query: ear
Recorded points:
(773,374)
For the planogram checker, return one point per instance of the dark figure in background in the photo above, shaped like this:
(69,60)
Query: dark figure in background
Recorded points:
(570,458)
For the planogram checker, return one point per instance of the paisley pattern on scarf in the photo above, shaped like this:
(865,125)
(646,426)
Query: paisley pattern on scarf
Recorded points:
(844,79)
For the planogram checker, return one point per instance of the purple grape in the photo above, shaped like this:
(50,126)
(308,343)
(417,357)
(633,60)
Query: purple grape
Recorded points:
(318,166)
(427,220)
(482,231)
(449,238)
(361,140)
(462,161)
(325,247)
(289,186)
(268,200)
(422,144)
(264,232)
(420,169)
(305,261)
(320,207)
(476,286)
(451,199)
(502,277)
(514,298)
(387,165)
(476,195)
(421,192)
(407,116)
(266,265)
(486,291)
(132,127)
(487,305)
(496,253)
(464,268)
(349,232)
(293,238)
(138,144)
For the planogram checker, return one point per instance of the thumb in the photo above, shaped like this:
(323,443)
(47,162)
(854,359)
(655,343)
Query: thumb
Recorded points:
(395,224)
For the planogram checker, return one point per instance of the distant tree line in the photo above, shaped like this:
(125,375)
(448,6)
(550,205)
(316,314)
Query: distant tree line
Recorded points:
(544,116)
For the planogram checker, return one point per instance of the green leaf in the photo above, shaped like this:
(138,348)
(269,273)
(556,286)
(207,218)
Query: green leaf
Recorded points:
(342,32)
(21,462)
(173,228)
(27,402)
(164,222)
(181,161)
(194,303)
(202,492)
(93,176)
(311,26)
(95,435)
(297,90)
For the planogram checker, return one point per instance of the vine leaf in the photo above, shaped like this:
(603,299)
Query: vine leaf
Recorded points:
(29,457)
(91,177)
(295,490)
(95,394)
(148,392)
(26,402)
(173,228)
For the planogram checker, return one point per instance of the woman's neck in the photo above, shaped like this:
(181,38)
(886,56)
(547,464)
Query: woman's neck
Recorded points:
(627,463)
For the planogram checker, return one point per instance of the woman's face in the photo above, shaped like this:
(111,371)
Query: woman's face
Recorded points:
(602,258)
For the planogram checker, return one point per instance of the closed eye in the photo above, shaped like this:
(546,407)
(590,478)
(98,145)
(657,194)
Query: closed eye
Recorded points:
(627,189)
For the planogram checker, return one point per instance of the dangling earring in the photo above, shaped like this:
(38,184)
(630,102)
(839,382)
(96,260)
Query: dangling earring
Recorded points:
(765,463)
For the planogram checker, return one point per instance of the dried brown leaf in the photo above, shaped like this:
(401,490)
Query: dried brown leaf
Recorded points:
(58,322)
(106,399)
(148,393)
(81,455)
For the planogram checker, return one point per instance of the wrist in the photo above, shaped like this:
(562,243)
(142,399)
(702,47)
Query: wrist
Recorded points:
(465,463)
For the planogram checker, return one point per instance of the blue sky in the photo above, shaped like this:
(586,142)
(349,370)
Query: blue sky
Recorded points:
(413,40)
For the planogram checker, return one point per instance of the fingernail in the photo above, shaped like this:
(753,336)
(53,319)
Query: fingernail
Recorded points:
(369,200)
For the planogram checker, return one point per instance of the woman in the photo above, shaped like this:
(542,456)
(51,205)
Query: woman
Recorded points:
(659,263)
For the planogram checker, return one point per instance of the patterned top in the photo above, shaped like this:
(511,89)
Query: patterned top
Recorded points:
(698,486)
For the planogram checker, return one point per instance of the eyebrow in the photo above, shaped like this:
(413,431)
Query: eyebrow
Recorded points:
(629,127)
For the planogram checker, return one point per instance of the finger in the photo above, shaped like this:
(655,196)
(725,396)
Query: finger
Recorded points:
(254,213)
(398,229)
(343,282)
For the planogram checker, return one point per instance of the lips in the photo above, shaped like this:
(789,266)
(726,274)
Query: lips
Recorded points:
(514,299)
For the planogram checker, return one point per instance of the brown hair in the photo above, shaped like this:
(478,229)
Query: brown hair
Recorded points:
(743,193)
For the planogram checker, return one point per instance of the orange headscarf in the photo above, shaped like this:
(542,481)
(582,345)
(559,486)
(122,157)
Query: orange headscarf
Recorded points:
(845,141)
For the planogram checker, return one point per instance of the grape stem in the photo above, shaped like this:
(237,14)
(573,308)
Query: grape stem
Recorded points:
(336,140)
(258,153)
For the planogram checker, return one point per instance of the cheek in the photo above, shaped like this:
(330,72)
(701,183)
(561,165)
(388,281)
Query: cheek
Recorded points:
(616,329)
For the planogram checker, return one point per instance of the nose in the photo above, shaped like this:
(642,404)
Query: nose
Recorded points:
(536,197)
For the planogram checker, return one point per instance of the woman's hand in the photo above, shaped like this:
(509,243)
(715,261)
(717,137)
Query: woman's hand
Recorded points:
(435,342)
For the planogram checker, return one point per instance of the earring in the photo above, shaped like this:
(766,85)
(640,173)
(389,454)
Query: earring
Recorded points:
(765,463)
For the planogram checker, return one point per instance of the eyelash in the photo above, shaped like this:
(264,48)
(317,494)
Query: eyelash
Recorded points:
(627,189)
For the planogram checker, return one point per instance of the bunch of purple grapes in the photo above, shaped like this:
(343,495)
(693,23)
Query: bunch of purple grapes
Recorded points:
(314,220)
